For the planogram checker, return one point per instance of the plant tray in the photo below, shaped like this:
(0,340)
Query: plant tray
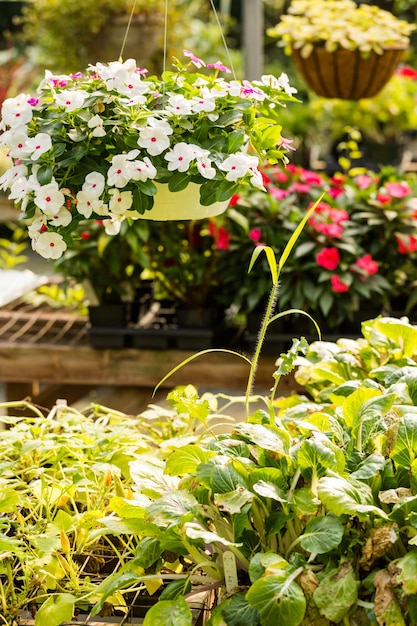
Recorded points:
(151,338)
(200,605)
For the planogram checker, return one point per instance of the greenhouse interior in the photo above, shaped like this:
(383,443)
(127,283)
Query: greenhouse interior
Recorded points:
(208,312)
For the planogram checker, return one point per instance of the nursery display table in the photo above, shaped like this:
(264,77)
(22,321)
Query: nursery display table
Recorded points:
(45,355)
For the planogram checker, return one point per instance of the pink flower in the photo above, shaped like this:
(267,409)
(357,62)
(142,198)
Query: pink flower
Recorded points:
(234,200)
(220,235)
(282,177)
(219,67)
(312,178)
(299,187)
(338,286)
(330,230)
(195,60)
(278,194)
(363,181)
(407,245)
(398,190)
(367,264)
(255,234)
(335,192)
(328,258)
(384,198)
(407,71)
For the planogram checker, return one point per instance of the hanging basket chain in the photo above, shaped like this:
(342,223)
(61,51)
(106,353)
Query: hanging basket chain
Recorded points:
(229,58)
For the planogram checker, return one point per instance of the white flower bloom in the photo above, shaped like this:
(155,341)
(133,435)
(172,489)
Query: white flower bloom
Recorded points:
(154,138)
(118,174)
(96,123)
(238,165)
(62,218)
(16,112)
(19,189)
(120,201)
(87,203)
(205,102)
(38,145)
(256,179)
(281,82)
(71,99)
(16,143)
(37,226)
(112,226)
(11,175)
(141,170)
(205,167)
(49,245)
(49,198)
(180,157)
(178,105)
(94,183)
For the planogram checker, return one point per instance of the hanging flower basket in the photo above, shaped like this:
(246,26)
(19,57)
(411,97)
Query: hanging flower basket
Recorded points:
(181,205)
(346,74)
(106,144)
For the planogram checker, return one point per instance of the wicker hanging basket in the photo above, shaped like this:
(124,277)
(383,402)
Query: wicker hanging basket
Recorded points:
(346,74)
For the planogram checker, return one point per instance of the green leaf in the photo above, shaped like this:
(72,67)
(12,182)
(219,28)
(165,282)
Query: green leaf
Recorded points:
(278,600)
(369,467)
(351,497)
(111,584)
(185,460)
(235,611)
(266,437)
(405,448)
(169,613)
(44,174)
(148,552)
(194,531)
(173,507)
(337,593)
(322,534)
(270,255)
(407,576)
(234,501)
(55,610)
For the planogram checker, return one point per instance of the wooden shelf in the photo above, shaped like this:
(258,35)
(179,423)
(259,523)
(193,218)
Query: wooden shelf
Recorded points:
(45,352)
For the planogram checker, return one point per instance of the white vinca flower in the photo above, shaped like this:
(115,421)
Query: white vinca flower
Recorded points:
(180,157)
(49,198)
(120,201)
(118,174)
(88,203)
(94,182)
(38,145)
(238,165)
(63,217)
(16,112)
(49,245)
(178,105)
(96,123)
(16,143)
(71,100)
(112,225)
(141,170)
(155,137)
(11,175)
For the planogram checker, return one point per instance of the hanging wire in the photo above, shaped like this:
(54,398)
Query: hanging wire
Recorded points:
(166,36)
(223,39)
(127,31)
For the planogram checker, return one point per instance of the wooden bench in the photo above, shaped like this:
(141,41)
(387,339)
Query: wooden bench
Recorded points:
(45,355)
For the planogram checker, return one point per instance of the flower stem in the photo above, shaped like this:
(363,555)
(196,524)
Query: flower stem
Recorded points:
(261,338)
